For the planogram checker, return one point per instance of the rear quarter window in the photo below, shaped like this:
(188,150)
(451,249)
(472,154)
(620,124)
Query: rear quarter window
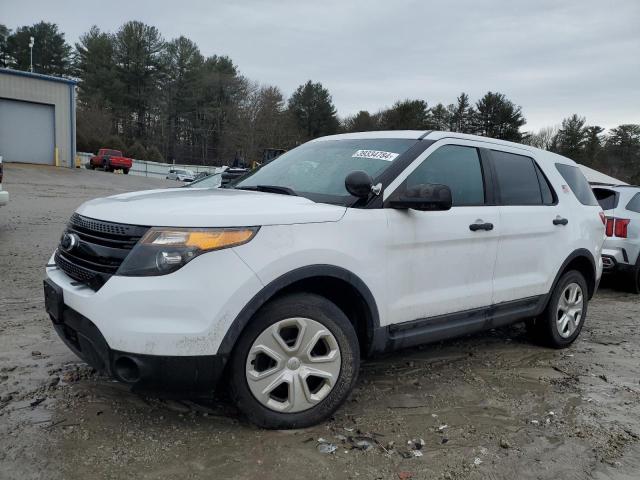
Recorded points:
(577,183)
(634,203)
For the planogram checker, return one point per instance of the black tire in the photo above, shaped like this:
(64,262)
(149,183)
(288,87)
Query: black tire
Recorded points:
(544,328)
(303,305)
(125,171)
(631,281)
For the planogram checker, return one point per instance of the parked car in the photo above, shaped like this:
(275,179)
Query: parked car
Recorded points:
(4,195)
(344,247)
(110,160)
(621,251)
(230,175)
(206,181)
(181,175)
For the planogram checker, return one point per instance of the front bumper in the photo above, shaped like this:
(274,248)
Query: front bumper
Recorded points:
(185,313)
(148,373)
(4,197)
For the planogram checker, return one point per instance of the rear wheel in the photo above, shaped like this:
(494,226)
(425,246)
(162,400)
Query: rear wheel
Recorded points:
(296,362)
(125,171)
(562,320)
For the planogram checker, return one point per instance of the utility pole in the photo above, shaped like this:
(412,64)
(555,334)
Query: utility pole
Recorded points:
(31,54)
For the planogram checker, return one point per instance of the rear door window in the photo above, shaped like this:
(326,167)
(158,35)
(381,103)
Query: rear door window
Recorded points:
(634,203)
(517,179)
(578,184)
(608,199)
(457,167)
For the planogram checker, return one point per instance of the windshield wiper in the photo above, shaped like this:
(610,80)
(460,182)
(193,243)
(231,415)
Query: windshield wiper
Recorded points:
(269,189)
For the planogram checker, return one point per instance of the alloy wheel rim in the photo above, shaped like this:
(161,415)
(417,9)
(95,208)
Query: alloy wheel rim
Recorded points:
(293,365)
(569,311)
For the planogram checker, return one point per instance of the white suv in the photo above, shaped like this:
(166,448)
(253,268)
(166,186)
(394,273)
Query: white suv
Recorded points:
(346,246)
(621,251)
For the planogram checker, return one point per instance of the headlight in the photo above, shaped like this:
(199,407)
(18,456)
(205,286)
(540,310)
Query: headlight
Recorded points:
(165,250)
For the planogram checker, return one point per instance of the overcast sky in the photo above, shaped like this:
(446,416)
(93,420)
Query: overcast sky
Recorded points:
(552,57)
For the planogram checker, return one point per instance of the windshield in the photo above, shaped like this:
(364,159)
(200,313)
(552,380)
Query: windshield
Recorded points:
(210,181)
(317,169)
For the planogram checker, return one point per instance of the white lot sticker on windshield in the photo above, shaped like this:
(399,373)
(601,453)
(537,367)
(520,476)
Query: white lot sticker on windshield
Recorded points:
(375,154)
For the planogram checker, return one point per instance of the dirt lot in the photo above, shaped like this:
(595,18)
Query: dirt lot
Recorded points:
(488,406)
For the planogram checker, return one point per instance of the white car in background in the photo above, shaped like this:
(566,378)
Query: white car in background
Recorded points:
(621,251)
(4,195)
(350,245)
(181,175)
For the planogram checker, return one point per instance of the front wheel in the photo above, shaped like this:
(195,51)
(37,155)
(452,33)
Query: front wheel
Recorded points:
(562,320)
(125,171)
(295,363)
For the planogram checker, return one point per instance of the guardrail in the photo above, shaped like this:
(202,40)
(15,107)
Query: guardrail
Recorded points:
(147,168)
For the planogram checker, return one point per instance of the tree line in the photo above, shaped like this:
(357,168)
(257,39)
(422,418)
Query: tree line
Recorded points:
(164,100)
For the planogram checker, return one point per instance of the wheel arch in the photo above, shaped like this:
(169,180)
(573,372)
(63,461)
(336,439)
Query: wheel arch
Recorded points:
(581,260)
(337,284)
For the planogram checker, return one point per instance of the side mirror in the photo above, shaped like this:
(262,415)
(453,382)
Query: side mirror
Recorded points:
(358,184)
(424,197)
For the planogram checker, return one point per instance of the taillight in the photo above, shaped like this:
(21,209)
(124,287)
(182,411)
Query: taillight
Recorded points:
(602,217)
(621,227)
(609,227)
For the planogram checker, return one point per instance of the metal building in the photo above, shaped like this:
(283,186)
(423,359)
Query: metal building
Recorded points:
(37,118)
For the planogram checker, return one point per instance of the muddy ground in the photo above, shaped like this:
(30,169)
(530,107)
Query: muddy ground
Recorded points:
(488,406)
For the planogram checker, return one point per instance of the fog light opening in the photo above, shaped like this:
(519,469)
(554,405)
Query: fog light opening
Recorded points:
(127,370)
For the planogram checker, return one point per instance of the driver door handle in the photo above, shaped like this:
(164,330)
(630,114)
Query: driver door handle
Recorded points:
(560,221)
(474,227)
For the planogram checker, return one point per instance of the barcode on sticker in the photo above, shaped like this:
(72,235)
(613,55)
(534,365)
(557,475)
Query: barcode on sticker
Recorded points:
(375,154)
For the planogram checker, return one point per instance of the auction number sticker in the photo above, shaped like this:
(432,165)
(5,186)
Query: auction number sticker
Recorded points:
(375,154)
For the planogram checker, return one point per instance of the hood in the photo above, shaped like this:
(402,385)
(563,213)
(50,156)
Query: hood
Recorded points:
(194,207)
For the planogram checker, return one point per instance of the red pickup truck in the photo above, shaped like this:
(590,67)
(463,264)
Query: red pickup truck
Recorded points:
(110,160)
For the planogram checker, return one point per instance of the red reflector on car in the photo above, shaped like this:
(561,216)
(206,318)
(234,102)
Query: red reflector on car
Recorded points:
(609,227)
(621,227)
(603,218)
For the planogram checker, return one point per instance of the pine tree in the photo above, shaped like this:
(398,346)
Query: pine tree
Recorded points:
(138,62)
(94,64)
(406,115)
(462,115)
(571,137)
(51,53)
(4,53)
(498,117)
(439,118)
(592,145)
(311,106)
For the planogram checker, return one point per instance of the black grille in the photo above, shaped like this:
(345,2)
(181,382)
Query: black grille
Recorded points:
(100,249)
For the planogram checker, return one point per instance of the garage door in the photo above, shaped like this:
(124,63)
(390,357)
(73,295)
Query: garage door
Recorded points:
(26,132)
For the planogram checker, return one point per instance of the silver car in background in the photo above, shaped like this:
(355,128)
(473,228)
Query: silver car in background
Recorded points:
(181,175)
(621,251)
